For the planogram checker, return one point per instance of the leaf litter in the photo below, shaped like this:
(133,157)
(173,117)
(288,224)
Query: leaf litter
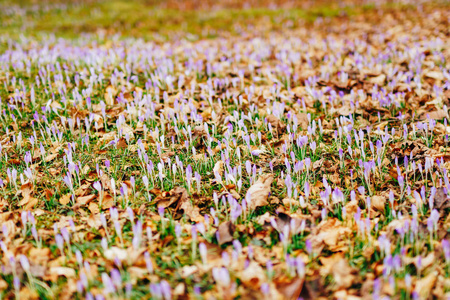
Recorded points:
(306,162)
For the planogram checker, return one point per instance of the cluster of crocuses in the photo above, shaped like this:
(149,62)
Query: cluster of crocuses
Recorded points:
(124,123)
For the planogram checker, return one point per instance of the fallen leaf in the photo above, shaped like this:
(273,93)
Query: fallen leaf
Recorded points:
(193,212)
(64,200)
(3,285)
(108,201)
(276,123)
(51,157)
(187,271)
(425,285)
(26,293)
(115,252)
(302,119)
(436,115)
(166,199)
(225,232)
(62,271)
(440,199)
(26,190)
(136,272)
(218,167)
(342,274)
(179,199)
(94,221)
(106,181)
(329,262)
(85,199)
(289,288)
(39,255)
(253,275)
(122,144)
(378,80)
(318,163)
(263,219)
(31,203)
(329,233)
(93,208)
(351,208)
(378,202)
(179,290)
(437,75)
(258,193)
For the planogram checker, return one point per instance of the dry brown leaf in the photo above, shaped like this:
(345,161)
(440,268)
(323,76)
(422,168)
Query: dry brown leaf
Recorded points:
(93,208)
(166,199)
(329,233)
(198,131)
(115,252)
(199,156)
(27,202)
(425,285)
(51,157)
(122,144)
(342,274)
(318,163)
(263,219)
(281,221)
(127,129)
(218,167)
(32,203)
(193,212)
(26,293)
(85,199)
(62,271)
(378,80)
(225,232)
(258,193)
(94,221)
(136,272)
(434,75)
(3,285)
(344,110)
(108,137)
(187,271)
(329,262)
(436,115)
(106,181)
(351,208)
(64,200)
(302,119)
(3,204)
(253,275)
(26,190)
(440,199)
(108,201)
(180,200)
(276,123)
(179,290)
(425,262)
(39,255)
(378,202)
(289,288)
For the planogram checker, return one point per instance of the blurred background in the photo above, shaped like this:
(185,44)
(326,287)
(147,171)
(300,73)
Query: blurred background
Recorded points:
(162,20)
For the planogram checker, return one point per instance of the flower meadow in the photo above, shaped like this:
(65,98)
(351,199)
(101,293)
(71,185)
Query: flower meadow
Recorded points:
(309,162)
